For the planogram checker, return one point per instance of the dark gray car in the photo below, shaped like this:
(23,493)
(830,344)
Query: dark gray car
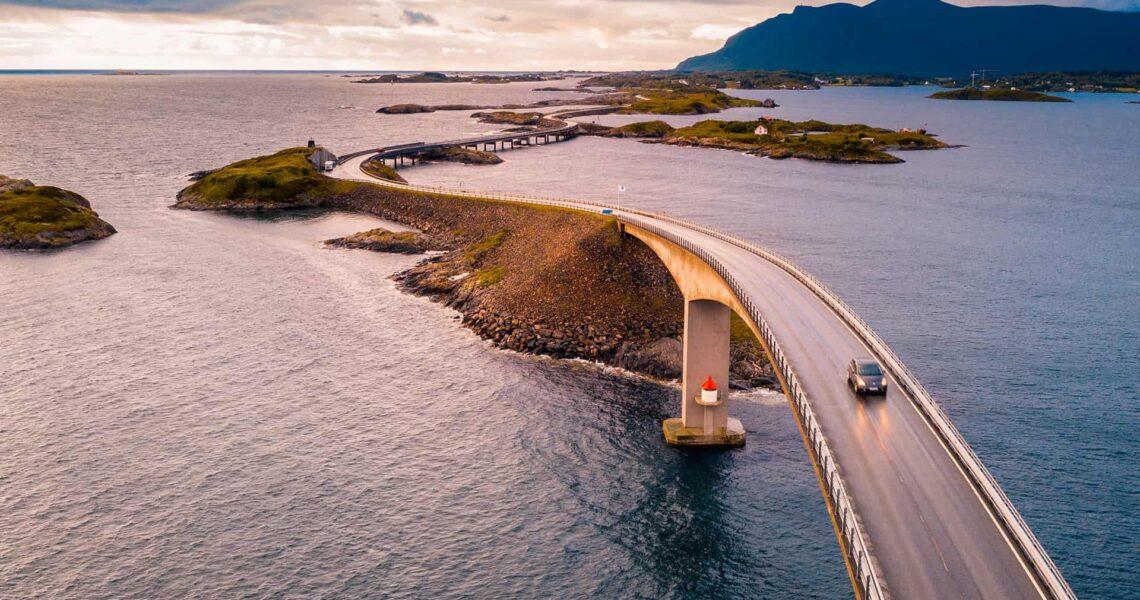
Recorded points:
(866,376)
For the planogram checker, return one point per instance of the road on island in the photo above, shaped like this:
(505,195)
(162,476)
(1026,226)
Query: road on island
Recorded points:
(926,522)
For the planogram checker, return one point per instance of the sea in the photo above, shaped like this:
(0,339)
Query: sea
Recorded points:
(217,406)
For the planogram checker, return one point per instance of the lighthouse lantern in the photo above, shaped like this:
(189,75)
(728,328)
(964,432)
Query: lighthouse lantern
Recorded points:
(709,394)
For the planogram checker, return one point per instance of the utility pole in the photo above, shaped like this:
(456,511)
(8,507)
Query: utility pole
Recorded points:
(974,75)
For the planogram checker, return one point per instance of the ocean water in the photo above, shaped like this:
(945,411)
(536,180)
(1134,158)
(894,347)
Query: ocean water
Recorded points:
(213,406)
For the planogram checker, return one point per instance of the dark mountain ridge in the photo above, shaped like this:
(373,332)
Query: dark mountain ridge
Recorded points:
(930,38)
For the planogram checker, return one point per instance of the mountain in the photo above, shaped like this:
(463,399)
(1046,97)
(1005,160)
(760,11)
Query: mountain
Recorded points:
(929,38)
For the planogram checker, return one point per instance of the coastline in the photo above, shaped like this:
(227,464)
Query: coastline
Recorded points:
(536,280)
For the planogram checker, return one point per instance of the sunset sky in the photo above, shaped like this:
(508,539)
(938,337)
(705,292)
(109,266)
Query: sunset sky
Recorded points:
(383,34)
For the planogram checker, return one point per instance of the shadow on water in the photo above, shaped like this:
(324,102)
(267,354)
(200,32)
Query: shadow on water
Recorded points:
(282,216)
(666,509)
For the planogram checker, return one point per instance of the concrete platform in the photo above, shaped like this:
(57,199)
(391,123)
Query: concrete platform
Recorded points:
(676,434)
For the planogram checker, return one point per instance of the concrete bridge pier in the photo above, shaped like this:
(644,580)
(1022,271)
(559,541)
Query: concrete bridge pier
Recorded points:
(706,354)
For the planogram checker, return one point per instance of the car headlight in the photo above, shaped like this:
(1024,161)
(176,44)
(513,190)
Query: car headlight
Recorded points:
(859,380)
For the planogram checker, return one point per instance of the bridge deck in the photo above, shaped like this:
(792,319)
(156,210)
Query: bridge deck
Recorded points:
(928,527)
(932,535)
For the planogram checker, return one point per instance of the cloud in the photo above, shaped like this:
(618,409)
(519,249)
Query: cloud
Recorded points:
(412,17)
(383,34)
(152,6)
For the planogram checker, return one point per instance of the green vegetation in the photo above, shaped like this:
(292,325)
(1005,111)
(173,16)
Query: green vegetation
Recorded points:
(283,180)
(996,94)
(378,169)
(642,129)
(1077,81)
(459,154)
(34,216)
(489,243)
(506,117)
(382,240)
(704,80)
(685,103)
(489,276)
(812,140)
(873,80)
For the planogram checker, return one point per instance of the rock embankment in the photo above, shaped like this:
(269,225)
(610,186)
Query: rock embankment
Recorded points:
(533,279)
(34,217)
(550,281)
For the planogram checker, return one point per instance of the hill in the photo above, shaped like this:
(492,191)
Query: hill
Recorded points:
(931,38)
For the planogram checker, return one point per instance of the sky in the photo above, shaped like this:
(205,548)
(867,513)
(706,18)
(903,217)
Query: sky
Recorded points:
(516,35)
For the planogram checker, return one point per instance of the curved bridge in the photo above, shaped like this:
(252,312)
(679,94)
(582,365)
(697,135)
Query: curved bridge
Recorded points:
(404,153)
(917,515)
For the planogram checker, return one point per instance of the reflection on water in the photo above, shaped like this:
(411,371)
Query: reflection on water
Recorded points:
(207,405)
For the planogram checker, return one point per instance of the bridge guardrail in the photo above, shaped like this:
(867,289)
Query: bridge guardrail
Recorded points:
(1045,570)
(866,570)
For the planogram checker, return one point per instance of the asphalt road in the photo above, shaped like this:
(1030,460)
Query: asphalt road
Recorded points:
(927,526)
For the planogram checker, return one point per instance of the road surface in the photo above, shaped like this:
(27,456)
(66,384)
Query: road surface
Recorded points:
(927,524)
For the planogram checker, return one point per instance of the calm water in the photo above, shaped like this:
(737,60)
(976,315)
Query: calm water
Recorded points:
(205,406)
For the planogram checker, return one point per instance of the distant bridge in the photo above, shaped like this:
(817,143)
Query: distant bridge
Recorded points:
(403,154)
(917,514)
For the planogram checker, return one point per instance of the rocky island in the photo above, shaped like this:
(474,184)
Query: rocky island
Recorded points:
(778,138)
(533,279)
(436,77)
(287,179)
(394,242)
(996,95)
(35,217)
(677,100)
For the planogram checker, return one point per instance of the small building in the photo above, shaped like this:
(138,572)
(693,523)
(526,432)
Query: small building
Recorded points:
(761,130)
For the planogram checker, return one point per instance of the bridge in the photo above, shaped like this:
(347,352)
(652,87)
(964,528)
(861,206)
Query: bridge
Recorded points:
(404,154)
(917,514)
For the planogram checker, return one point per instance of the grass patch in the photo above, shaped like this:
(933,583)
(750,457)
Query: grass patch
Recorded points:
(376,168)
(665,102)
(279,180)
(506,117)
(489,276)
(814,140)
(29,211)
(998,95)
(643,129)
(740,332)
(489,243)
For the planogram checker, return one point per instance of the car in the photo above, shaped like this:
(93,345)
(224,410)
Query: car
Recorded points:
(866,376)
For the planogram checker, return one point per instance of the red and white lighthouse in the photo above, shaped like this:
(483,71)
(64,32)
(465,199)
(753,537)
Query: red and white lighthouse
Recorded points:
(709,394)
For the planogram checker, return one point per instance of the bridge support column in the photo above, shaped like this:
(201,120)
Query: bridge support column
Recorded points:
(706,354)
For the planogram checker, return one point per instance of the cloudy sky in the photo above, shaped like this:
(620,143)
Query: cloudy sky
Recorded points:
(384,34)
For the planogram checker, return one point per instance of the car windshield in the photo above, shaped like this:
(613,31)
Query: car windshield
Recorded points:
(869,369)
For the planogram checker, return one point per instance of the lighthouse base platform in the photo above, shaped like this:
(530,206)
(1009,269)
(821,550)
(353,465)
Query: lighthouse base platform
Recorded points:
(676,434)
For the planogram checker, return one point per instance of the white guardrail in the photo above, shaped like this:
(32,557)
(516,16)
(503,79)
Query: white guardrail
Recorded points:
(867,572)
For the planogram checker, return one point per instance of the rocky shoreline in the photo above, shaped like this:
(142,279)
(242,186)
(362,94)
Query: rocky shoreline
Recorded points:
(34,217)
(538,280)
(392,242)
(640,341)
